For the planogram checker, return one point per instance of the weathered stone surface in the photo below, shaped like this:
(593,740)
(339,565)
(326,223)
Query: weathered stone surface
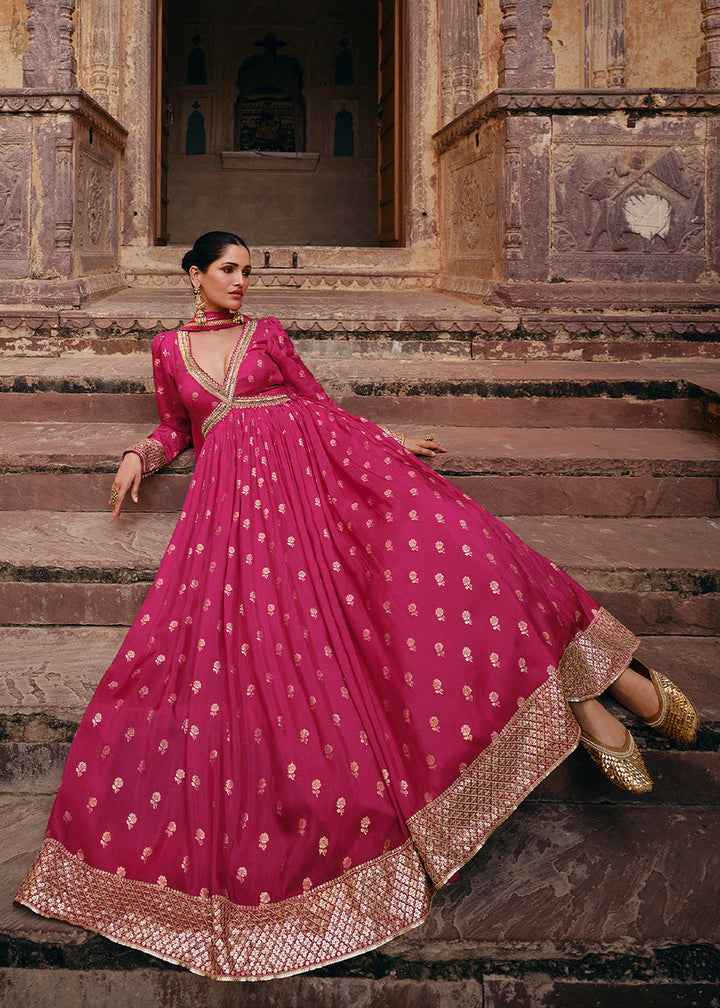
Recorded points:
(665,611)
(541,991)
(94,604)
(90,491)
(582,877)
(52,671)
(511,450)
(154,988)
(31,768)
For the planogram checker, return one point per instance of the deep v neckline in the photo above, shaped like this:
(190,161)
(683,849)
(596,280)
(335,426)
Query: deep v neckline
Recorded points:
(207,381)
(226,371)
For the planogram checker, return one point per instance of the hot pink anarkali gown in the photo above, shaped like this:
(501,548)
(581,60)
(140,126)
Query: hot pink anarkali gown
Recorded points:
(344,677)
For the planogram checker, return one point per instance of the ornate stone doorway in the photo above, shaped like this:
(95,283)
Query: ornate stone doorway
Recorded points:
(270,115)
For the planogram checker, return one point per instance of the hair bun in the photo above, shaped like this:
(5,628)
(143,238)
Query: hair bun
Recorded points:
(188,260)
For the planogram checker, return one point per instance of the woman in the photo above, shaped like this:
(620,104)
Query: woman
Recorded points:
(345,675)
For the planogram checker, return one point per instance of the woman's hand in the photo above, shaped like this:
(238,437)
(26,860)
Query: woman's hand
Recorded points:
(423,446)
(127,478)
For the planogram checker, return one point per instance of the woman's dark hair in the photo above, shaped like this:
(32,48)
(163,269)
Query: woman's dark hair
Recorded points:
(208,248)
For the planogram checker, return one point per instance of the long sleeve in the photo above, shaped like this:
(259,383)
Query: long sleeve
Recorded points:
(174,433)
(294,371)
(302,380)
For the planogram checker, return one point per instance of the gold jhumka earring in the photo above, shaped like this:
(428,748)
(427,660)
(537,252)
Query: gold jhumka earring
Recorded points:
(200,307)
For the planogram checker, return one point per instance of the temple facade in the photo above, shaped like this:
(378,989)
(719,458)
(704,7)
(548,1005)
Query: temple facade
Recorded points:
(519,152)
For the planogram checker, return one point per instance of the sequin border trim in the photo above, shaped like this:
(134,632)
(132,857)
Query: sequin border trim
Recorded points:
(223,408)
(360,910)
(228,400)
(453,827)
(367,906)
(599,653)
(227,388)
(151,453)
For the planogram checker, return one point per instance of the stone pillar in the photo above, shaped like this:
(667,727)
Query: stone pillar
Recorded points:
(708,62)
(101,53)
(137,114)
(526,57)
(608,44)
(459,56)
(49,60)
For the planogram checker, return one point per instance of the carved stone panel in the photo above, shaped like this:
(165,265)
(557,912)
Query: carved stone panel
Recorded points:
(470,206)
(628,203)
(96,230)
(15,156)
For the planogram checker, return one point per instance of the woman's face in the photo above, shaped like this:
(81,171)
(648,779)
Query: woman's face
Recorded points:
(225,281)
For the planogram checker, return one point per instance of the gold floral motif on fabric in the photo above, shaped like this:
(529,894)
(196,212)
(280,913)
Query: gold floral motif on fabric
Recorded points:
(453,827)
(368,905)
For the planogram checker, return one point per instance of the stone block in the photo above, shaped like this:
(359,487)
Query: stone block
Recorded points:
(629,200)
(541,991)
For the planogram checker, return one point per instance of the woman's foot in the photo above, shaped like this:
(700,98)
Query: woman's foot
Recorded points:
(611,747)
(659,702)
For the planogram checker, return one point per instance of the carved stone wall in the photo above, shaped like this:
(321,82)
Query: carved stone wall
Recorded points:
(100,38)
(629,202)
(59,183)
(459,56)
(15,156)
(471,205)
(587,187)
(49,60)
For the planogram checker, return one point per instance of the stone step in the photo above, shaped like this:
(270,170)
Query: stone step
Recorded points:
(462,402)
(583,904)
(116,388)
(659,575)
(376,320)
(53,465)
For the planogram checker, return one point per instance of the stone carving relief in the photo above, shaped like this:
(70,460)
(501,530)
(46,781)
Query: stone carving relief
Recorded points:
(14,183)
(472,207)
(708,62)
(96,226)
(628,198)
(606,53)
(49,59)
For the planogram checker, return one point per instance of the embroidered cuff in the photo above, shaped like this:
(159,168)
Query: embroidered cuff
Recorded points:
(151,453)
(394,434)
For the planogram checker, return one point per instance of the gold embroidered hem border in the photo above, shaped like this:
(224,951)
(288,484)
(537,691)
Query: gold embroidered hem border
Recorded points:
(453,827)
(362,909)
(372,903)
(595,658)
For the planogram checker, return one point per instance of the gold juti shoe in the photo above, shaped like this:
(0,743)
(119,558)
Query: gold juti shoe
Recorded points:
(624,767)
(677,718)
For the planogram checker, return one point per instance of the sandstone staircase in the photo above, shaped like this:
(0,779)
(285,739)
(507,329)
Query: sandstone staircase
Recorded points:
(608,464)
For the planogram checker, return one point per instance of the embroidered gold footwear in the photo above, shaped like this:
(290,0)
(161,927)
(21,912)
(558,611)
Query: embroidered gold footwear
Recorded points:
(677,718)
(624,767)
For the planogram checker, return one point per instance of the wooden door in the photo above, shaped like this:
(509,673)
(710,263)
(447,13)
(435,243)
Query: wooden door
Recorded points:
(391,109)
(163,122)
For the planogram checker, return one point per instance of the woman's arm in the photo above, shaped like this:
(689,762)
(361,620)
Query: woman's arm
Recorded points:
(299,377)
(166,441)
